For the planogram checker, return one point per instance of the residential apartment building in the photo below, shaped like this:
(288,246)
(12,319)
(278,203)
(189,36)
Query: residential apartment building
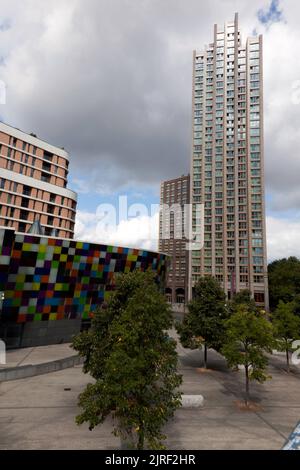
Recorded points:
(33,184)
(174,196)
(227,171)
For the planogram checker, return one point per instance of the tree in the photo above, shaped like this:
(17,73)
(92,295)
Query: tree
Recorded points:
(287,327)
(203,324)
(243,297)
(135,366)
(284,282)
(249,335)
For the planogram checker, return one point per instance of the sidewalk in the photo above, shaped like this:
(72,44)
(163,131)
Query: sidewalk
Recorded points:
(23,363)
(37,355)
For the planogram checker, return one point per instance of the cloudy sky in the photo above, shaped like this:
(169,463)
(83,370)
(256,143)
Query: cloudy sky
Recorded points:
(110,80)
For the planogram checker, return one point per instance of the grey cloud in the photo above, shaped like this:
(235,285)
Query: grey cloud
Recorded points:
(111,80)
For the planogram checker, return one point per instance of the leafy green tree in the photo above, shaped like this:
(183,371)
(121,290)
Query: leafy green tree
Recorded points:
(203,324)
(284,282)
(243,297)
(135,366)
(287,327)
(249,335)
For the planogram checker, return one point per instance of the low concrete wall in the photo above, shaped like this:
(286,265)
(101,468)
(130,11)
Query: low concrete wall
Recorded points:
(22,372)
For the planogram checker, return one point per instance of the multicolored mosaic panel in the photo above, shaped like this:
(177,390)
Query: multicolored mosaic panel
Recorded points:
(52,279)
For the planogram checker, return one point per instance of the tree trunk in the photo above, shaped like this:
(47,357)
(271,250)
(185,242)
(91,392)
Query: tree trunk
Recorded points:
(287,359)
(141,440)
(205,356)
(247,385)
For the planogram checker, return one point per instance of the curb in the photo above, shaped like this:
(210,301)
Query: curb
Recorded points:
(22,372)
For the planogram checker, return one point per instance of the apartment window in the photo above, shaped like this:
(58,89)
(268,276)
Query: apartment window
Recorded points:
(48,156)
(47,166)
(26,191)
(259,297)
(45,178)
(48,231)
(23,215)
(25,202)
(51,209)
(22,227)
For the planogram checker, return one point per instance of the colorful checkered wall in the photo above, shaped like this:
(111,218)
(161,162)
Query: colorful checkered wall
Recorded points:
(52,279)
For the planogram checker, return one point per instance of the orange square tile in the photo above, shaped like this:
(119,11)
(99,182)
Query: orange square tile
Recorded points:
(21,319)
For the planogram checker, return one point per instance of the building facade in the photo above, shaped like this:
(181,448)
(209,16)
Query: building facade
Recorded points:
(51,286)
(174,196)
(228,164)
(33,184)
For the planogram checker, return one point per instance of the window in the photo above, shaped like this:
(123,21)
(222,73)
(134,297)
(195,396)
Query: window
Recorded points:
(51,209)
(259,297)
(47,166)
(22,227)
(26,191)
(23,215)
(48,231)
(25,202)
(48,156)
(45,177)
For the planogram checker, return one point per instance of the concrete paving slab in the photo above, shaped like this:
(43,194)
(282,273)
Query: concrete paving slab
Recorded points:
(38,413)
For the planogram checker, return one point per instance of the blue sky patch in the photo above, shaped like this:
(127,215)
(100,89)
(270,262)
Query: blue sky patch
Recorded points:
(272,15)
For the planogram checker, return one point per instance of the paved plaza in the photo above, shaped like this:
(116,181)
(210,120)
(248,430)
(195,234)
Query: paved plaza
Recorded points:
(38,412)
